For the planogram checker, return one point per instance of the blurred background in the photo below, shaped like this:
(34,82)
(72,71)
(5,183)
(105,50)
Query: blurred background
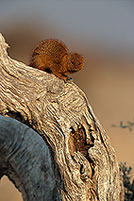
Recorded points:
(103,32)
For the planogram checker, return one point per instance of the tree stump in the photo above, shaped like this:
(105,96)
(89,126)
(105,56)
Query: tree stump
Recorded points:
(81,162)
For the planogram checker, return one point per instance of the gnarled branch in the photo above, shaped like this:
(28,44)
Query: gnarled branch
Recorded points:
(84,162)
(25,159)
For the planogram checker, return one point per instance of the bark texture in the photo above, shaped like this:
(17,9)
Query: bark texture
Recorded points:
(83,160)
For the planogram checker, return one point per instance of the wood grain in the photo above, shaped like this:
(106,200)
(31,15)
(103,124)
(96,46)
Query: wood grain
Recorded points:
(81,151)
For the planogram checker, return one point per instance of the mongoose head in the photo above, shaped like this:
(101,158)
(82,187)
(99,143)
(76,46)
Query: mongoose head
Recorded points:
(74,62)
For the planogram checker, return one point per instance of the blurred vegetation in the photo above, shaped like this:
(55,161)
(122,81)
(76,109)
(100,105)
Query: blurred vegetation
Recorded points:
(129,125)
(128,182)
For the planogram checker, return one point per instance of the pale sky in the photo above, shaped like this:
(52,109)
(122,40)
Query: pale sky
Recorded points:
(109,21)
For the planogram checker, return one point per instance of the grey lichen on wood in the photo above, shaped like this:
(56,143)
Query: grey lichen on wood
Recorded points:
(83,158)
(25,159)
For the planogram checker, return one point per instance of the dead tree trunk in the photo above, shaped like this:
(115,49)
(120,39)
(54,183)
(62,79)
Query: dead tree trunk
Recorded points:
(82,158)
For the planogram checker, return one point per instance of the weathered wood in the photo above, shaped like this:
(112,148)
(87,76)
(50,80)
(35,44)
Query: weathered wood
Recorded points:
(84,161)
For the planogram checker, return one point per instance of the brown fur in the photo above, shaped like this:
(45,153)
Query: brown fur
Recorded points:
(53,56)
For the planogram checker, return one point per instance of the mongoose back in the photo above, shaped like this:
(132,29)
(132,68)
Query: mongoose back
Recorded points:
(53,56)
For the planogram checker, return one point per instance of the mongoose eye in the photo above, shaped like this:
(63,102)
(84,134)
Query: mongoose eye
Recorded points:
(73,62)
